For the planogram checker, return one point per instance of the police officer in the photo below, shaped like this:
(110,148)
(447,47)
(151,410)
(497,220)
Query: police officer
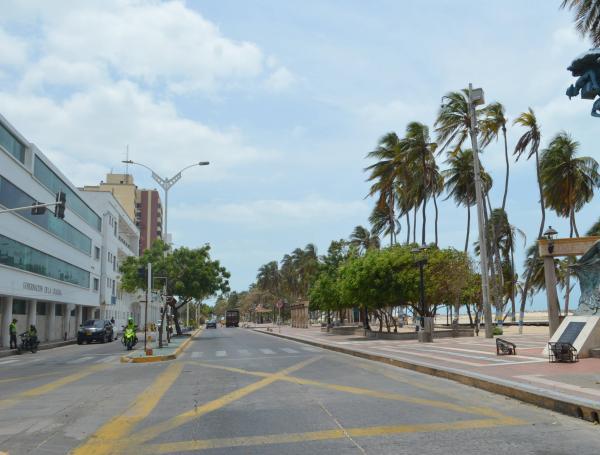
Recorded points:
(12,330)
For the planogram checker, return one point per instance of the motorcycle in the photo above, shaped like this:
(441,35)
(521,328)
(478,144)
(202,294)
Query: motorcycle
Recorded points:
(28,343)
(129,338)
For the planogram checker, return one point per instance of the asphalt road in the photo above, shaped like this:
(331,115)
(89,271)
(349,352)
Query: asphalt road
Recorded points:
(234,391)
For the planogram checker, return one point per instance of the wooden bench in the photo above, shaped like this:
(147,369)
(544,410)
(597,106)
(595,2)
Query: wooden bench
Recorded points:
(504,347)
(562,352)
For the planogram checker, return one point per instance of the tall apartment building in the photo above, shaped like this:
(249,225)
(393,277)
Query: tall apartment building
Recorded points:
(143,206)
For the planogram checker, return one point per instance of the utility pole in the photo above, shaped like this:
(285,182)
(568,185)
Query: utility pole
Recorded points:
(148,296)
(476,98)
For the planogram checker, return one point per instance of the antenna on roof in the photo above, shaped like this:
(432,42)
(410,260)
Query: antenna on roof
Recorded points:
(127,159)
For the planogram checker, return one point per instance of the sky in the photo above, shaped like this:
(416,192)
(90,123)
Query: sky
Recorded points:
(284,99)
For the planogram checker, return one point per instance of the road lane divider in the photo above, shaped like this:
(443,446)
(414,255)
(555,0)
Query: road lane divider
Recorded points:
(114,432)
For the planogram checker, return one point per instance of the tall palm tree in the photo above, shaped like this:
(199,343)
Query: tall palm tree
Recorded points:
(453,121)
(568,181)
(419,160)
(491,125)
(269,278)
(587,18)
(364,240)
(531,140)
(460,182)
(384,174)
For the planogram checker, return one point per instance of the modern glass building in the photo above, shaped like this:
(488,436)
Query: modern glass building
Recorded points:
(48,267)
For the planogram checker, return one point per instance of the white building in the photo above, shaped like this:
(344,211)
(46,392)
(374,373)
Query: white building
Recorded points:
(48,266)
(120,239)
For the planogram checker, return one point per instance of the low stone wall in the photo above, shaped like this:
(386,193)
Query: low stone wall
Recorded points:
(414,335)
(344,330)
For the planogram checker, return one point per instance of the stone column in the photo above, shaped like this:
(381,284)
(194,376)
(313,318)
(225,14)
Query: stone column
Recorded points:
(78,316)
(50,321)
(67,325)
(551,294)
(31,313)
(7,314)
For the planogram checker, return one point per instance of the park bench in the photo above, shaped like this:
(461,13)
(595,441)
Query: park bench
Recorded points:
(504,347)
(562,352)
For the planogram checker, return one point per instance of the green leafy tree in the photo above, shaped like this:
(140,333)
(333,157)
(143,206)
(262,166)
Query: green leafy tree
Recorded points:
(190,274)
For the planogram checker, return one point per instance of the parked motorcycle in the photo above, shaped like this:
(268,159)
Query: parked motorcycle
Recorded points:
(28,343)
(129,338)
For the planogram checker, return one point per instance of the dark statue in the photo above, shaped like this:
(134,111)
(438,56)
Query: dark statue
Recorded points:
(587,68)
(587,269)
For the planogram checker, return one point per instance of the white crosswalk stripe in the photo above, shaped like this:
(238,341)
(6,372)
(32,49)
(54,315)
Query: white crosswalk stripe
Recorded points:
(79,360)
(289,350)
(267,351)
(5,362)
(244,351)
(109,359)
(196,354)
(221,353)
(310,349)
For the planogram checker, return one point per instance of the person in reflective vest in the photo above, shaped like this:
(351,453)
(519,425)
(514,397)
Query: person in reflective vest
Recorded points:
(12,330)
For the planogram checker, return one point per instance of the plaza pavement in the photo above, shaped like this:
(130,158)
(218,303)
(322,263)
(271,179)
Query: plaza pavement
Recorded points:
(570,388)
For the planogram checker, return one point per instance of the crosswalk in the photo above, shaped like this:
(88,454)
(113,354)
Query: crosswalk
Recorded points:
(90,359)
(258,352)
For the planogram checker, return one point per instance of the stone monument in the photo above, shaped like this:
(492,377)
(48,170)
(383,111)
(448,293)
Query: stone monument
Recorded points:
(586,67)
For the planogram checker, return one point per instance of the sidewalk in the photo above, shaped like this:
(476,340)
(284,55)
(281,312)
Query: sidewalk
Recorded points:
(6,352)
(572,389)
(167,352)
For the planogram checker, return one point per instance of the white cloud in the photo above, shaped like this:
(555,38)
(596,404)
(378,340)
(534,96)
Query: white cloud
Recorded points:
(94,126)
(152,42)
(280,80)
(272,213)
(13,50)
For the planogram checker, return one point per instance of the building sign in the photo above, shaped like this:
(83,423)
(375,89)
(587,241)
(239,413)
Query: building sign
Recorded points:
(41,289)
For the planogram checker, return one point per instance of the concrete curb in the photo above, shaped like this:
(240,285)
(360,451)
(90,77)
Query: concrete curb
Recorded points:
(161,358)
(589,411)
(41,347)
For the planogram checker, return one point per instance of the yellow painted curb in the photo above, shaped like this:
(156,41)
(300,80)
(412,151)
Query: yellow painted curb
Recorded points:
(161,358)
(573,409)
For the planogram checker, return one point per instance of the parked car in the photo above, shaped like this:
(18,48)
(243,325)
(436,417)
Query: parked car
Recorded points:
(212,324)
(95,330)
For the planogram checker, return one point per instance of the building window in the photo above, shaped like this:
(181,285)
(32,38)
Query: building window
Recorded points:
(58,309)
(11,197)
(96,253)
(73,312)
(10,143)
(114,264)
(115,228)
(19,306)
(55,184)
(96,284)
(40,309)
(20,256)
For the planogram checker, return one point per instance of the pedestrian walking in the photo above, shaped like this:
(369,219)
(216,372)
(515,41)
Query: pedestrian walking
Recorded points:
(12,330)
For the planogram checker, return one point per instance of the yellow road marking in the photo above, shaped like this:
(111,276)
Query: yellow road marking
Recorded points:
(114,432)
(174,422)
(289,438)
(367,392)
(51,386)
(28,377)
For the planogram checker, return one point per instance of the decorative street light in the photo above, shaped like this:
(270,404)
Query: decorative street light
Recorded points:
(421,261)
(166,184)
(476,98)
(549,234)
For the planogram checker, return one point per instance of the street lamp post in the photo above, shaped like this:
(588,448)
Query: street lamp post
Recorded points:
(476,98)
(421,261)
(166,184)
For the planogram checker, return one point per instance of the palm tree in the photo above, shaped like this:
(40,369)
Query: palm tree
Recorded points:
(568,181)
(594,230)
(491,125)
(364,240)
(384,174)
(460,182)
(587,18)
(531,140)
(269,278)
(420,163)
(453,123)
